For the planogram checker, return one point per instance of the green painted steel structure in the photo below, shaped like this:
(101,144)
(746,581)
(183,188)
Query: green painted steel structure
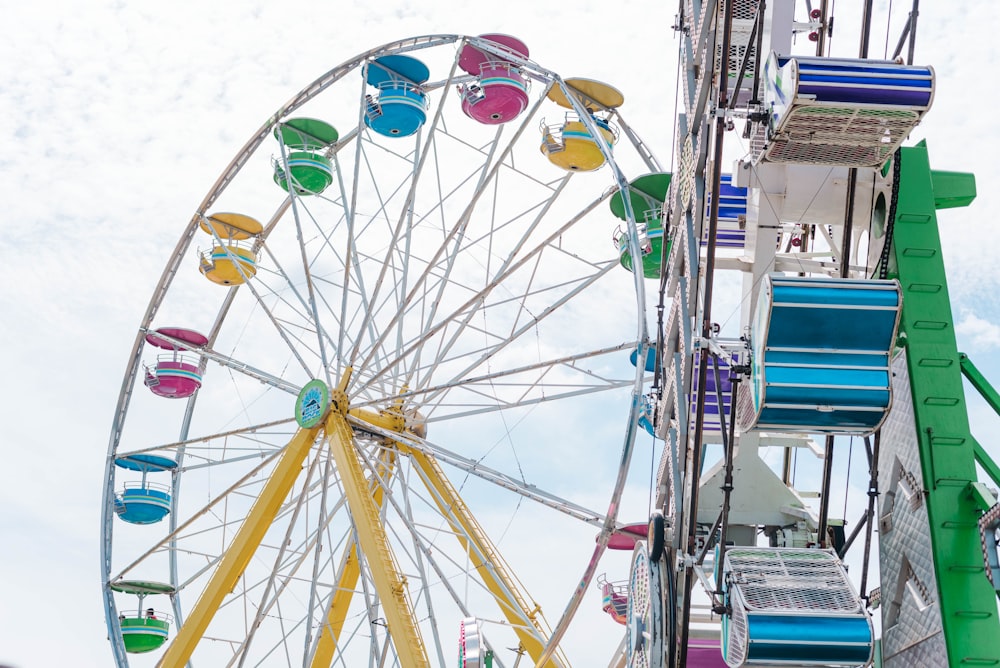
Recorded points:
(947,449)
(992,397)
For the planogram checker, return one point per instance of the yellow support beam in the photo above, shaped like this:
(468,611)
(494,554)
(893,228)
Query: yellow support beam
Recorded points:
(374,544)
(337,614)
(347,582)
(241,549)
(524,617)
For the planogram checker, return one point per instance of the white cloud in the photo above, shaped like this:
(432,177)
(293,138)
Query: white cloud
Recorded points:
(982,335)
(119,116)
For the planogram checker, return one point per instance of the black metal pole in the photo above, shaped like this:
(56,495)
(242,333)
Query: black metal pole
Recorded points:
(728,442)
(862,523)
(913,31)
(694,452)
(821,41)
(845,250)
(824,500)
(872,496)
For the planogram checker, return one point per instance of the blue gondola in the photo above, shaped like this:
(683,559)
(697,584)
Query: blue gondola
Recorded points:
(712,424)
(792,607)
(820,354)
(144,502)
(732,215)
(851,113)
(400,109)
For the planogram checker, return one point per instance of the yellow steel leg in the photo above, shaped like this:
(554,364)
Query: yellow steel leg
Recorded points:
(375,545)
(244,544)
(525,618)
(330,633)
(348,580)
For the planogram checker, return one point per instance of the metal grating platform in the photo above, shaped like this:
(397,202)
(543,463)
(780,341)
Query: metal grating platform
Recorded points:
(840,112)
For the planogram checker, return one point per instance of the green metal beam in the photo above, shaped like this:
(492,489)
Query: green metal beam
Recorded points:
(979,382)
(989,466)
(992,397)
(982,496)
(953,189)
(947,448)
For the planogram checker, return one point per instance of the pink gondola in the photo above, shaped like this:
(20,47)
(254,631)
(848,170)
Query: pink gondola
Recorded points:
(176,374)
(500,92)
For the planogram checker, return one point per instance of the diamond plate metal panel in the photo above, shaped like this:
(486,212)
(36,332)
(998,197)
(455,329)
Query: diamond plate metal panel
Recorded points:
(929,653)
(911,619)
(704,84)
(676,341)
(686,171)
(696,13)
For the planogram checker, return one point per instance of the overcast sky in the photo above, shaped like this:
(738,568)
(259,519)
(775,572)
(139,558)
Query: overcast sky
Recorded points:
(122,115)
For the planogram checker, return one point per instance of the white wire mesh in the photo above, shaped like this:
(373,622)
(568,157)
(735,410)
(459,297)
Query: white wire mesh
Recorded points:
(736,645)
(790,580)
(848,136)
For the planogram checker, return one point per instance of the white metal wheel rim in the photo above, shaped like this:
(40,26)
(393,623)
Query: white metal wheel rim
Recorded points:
(211,201)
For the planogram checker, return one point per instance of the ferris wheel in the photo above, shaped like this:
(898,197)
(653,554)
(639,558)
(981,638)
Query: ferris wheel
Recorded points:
(373,361)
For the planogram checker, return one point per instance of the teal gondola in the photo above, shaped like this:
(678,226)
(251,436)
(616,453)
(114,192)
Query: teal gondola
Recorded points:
(820,353)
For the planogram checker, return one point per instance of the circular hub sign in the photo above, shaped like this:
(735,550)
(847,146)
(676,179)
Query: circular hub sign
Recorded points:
(312,404)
